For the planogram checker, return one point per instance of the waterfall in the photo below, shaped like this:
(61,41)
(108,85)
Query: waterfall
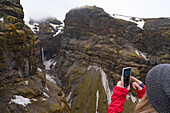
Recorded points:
(42,50)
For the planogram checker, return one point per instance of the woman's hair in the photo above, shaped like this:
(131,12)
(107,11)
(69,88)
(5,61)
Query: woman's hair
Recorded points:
(144,106)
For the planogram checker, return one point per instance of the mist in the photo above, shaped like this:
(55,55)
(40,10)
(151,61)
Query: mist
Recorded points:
(38,9)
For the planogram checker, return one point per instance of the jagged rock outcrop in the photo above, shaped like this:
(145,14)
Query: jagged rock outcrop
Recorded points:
(23,86)
(93,38)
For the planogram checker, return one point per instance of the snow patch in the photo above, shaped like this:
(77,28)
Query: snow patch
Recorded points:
(140,22)
(60,30)
(26,82)
(137,52)
(44,99)
(20,100)
(34,27)
(39,69)
(97,100)
(144,55)
(34,99)
(49,63)
(134,99)
(54,25)
(50,78)
(70,102)
(105,82)
(45,94)
(2,19)
(68,97)
(130,96)
(46,88)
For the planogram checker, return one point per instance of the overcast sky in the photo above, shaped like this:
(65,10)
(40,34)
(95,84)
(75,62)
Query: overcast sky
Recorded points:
(38,9)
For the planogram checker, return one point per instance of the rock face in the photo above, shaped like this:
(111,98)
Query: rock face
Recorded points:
(23,87)
(17,46)
(46,30)
(94,48)
(85,58)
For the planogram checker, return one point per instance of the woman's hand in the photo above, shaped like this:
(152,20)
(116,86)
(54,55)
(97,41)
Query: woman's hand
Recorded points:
(121,83)
(137,84)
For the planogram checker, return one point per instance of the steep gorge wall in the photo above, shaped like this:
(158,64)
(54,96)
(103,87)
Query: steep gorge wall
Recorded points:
(23,86)
(17,46)
(93,38)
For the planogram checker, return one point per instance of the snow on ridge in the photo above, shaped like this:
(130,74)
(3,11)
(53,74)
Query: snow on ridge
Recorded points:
(144,55)
(34,27)
(105,82)
(97,100)
(50,78)
(140,22)
(2,19)
(54,25)
(20,100)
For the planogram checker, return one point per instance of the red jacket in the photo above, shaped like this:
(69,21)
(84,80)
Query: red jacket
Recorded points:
(119,97)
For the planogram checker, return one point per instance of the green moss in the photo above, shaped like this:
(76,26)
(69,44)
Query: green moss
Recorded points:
(55,108)
(10,27)
(129,107)
(76,75)
(86,94)
(121,52)
(11,19)
(166,56)
(20,32)
(41,75)
(88,46)
(8,8)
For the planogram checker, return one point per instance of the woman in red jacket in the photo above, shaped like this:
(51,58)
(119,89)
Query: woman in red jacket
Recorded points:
(157,98)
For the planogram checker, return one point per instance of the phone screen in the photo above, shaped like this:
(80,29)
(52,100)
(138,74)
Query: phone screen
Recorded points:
(126,75)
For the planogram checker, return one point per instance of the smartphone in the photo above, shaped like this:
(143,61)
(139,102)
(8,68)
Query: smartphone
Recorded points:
(126,72)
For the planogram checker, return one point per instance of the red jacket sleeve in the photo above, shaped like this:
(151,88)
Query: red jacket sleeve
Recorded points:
(141,93)
(117,100)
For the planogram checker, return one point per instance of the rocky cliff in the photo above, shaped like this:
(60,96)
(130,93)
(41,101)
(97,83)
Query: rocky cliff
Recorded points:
(94,48)
(83,58)
(23,86)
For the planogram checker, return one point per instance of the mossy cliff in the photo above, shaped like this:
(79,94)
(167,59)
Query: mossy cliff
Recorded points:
(19,60)
(92,37)
(17,42)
